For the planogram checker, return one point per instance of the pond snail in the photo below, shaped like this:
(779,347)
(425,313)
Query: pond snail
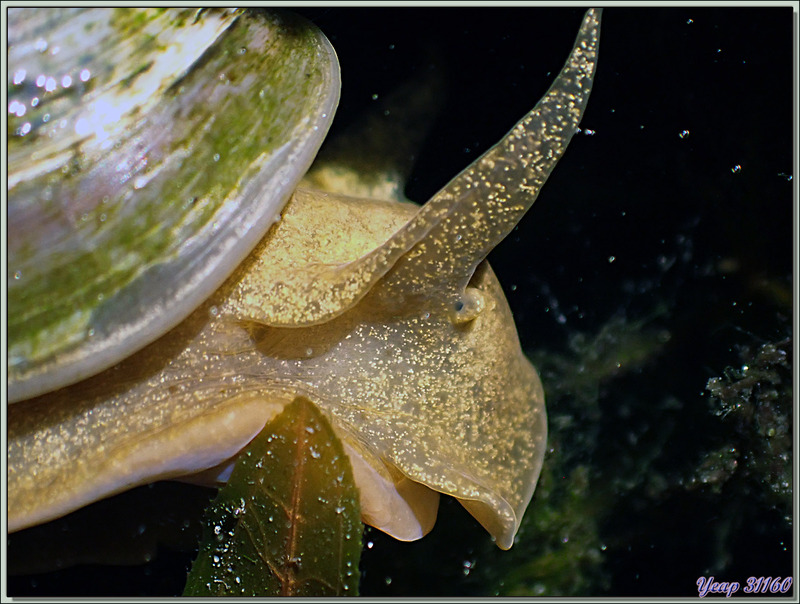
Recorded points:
(173,283)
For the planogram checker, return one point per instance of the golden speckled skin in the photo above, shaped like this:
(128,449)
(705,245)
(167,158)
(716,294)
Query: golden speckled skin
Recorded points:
(382,313)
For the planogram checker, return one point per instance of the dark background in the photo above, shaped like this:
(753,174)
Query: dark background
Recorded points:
(687,236)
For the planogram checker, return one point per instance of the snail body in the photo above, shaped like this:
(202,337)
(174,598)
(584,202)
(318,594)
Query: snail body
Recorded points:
(384,314)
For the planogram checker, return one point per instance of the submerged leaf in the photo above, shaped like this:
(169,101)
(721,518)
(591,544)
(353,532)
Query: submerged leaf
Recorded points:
(287,522)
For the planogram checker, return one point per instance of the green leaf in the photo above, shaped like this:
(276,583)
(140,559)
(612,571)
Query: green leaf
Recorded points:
(288,521)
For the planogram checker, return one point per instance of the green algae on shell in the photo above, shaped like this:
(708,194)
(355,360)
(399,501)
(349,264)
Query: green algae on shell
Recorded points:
(147,157)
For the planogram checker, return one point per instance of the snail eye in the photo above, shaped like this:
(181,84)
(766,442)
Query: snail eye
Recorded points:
(468,306)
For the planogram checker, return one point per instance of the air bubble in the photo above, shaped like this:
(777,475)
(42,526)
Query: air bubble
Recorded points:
(16,108)
(467,566)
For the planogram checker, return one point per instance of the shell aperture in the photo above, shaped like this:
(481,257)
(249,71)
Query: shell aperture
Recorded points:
(425,401)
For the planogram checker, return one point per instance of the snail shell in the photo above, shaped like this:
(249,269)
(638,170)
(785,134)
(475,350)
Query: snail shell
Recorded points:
(149,151)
